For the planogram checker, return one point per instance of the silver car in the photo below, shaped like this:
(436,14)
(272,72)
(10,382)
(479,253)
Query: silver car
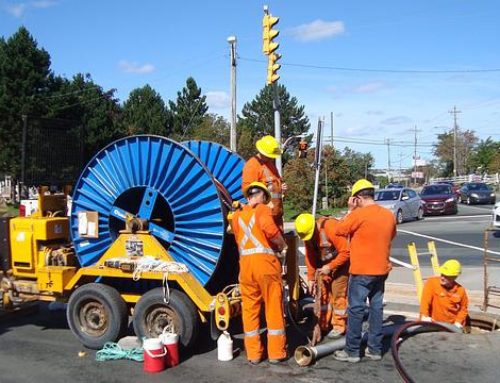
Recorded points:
(404,203)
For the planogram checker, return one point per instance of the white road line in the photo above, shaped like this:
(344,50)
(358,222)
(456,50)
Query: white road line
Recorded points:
(449,242)
(457,217)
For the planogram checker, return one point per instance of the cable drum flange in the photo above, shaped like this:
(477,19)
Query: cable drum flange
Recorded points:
(159,180)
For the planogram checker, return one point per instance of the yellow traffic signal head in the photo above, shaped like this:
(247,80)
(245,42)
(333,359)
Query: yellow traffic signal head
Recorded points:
(272,68)
(269,34)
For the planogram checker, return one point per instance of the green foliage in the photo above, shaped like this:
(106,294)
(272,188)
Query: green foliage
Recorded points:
(485,156)
(212,128)
(24,78)
(444,151)
(144,113)
(188,111)
(87,105)
(299,176)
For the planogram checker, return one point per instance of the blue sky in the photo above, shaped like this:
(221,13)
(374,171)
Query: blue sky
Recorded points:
(127,44)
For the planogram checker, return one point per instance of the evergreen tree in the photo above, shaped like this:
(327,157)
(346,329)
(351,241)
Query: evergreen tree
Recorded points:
(189,109)
(24,79)
(144,113)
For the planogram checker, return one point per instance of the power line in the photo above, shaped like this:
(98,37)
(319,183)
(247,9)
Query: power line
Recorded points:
(375,70)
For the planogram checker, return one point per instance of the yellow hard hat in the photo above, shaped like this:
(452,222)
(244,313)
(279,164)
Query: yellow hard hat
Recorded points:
(305,224)
(451,268)
(361,184)
(268,146)
(257,185)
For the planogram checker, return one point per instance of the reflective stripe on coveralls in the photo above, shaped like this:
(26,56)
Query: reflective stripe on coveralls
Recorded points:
(259,247)
(260,283)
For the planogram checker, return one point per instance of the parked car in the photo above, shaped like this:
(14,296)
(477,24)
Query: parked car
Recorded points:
(394,186)
(404,203)
(455,188)
(496,216)
(477,192)
(439,199)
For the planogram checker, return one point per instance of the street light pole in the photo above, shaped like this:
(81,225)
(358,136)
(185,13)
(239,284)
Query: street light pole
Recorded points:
(232,140)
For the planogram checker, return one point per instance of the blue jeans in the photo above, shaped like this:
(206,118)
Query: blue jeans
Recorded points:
(360,288)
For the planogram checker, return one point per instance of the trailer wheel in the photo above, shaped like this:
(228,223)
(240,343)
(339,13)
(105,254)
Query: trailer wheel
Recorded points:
(152,315)
(97,314)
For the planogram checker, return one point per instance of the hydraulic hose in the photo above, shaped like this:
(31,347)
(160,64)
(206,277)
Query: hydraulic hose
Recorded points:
(410,329)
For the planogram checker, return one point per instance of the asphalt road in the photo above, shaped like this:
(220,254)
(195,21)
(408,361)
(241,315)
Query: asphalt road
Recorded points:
(458,236)
(40,348)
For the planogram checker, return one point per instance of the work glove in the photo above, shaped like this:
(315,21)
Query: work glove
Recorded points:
(426,319)
(325,270)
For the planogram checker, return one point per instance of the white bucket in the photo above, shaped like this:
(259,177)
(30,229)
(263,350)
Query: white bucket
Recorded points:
(225,347)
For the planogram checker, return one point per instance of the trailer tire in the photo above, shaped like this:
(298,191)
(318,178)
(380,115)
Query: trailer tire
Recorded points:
(97,314)
(152,314)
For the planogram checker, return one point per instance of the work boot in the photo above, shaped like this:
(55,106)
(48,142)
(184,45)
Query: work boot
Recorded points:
(277,361)
(372,356)
(254,362)
(334,334)
(343,356)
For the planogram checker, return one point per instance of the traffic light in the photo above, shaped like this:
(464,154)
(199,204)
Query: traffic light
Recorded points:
(272,68)
(269,34)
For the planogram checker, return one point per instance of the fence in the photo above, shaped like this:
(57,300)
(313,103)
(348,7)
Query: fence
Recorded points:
(493,179)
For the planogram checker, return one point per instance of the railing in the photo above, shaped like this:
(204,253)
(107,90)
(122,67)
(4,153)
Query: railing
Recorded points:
(493,179)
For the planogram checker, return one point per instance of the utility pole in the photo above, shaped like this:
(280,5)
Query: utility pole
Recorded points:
(400,166)
(388,143)
(232,140)
(415,156)
(332,129)
(455,128)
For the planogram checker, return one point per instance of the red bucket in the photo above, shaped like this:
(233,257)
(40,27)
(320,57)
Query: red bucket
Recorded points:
(171,342)
(154,355)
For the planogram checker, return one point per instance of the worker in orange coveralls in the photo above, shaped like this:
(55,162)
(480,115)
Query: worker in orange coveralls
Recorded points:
(443,299)
(260,244)
(262,168)
(327,254)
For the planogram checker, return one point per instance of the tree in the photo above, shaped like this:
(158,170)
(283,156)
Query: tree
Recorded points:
(258,116)
(24,78)
(212,128)
(188,111)
(86,104)
(444,150)
(299,176)
(483,155)
(144,113)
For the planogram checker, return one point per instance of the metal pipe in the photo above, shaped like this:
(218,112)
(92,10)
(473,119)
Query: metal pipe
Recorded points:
(307,355)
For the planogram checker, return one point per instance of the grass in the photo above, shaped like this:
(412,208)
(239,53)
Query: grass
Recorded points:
(290,213)
(9,210)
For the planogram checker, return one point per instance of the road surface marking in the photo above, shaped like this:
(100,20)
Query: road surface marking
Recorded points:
(447,241)
(458,217)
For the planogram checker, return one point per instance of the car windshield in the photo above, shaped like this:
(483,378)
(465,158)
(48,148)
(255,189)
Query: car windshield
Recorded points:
(436,189)
(387,195)
(478,187)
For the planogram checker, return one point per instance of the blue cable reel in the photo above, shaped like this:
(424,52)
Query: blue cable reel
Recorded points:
(226,167)
(159,180)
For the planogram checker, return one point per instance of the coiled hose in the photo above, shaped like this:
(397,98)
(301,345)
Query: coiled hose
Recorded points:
(410,329)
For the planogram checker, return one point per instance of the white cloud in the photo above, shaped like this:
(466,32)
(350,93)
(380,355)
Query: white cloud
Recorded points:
(133,67)
(43,3)
(16,10)
(218,99)
(370,87)
(397,120)
(317,30)
(374,112)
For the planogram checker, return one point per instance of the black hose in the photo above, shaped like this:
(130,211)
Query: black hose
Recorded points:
(403,332)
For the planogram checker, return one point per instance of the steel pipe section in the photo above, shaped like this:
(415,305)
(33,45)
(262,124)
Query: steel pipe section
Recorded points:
(159,180)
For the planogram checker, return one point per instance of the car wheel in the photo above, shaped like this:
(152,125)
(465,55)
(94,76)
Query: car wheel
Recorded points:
(399,217)
(420,214)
